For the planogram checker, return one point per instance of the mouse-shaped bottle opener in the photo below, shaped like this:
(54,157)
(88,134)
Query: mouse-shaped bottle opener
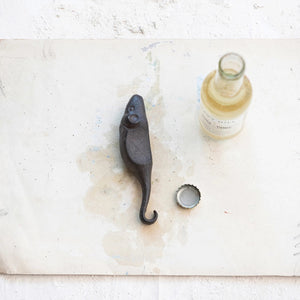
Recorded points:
(136,151)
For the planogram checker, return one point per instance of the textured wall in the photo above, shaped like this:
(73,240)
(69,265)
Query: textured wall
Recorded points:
(149,19)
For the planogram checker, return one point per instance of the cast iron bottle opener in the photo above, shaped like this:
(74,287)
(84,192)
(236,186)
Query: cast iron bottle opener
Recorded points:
(136,150)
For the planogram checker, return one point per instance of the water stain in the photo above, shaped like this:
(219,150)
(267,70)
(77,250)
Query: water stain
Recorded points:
(125,255)
(297,245)
(191,170)
(129,88)
(150,46)
(3,213)
(107,175)
(3,266)
(48,51)
(2,89)
(130,242)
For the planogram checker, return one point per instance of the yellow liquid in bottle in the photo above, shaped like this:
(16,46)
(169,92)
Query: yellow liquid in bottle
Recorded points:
(223,109)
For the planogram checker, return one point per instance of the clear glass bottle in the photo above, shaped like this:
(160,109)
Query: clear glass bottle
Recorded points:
(225,97)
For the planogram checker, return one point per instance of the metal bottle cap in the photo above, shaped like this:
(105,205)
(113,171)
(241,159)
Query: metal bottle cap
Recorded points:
(188,196)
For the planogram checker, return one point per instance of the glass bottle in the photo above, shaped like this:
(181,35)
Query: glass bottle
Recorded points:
(225,97)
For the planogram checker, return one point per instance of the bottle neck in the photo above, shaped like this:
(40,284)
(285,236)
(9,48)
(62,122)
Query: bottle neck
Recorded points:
(230,75)
(225,87)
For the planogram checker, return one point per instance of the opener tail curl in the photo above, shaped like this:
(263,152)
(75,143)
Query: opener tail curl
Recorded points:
(144,205)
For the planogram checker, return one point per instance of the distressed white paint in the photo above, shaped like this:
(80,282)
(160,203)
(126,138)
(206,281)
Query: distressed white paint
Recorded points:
(148,288)
(214,19)
(149,19)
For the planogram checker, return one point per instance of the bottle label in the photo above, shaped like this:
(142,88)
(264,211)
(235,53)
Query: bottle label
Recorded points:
(219,127)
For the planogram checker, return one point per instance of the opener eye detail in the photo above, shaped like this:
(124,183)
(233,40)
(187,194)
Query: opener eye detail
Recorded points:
(133,119)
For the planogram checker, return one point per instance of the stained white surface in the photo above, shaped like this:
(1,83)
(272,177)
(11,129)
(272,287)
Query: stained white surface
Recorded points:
(37,19)
(71,208)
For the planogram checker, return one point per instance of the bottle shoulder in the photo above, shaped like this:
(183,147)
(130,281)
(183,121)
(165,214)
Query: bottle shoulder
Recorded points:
(225,107)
